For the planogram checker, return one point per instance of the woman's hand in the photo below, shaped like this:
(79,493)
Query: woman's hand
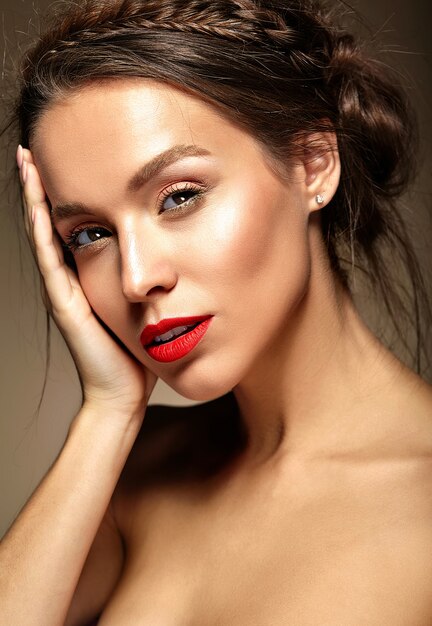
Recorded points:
(111,378)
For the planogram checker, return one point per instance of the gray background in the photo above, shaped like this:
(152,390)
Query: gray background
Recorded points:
(29,443)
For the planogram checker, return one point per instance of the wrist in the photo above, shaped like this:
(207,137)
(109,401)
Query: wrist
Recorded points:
(119,406)
(107,416)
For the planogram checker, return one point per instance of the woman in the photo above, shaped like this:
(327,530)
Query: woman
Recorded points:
(193,174)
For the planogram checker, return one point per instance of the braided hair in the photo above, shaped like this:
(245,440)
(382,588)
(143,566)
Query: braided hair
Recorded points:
(278,68)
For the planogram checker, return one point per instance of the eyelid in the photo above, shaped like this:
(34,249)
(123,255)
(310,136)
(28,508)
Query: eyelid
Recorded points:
(175,188)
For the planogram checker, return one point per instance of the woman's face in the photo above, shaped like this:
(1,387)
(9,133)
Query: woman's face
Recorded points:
(205,230)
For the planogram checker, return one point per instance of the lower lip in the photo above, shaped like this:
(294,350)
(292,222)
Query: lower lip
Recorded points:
(180,347)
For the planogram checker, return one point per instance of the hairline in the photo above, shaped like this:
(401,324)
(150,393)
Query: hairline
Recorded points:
(274,162)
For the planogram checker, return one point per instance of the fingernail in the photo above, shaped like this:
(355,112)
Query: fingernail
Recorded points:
(24,171)
(19,156)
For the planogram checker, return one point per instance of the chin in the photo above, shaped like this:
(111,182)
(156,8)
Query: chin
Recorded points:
(201,388)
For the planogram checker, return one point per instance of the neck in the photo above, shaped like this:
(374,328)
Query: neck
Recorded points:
(307,395)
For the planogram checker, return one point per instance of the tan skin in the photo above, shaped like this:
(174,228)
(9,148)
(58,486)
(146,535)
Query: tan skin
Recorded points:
(313,504)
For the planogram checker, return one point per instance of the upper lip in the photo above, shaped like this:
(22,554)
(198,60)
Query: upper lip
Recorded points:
(154,330)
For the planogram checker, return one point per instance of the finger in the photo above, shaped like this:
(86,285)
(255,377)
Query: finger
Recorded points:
(55,273)
(50,256)
(43,290)
(23,155)
(19,156)
(33,192)
(36,194)
(27,156)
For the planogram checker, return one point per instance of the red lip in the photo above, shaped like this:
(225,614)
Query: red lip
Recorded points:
(153,330)
(179,346)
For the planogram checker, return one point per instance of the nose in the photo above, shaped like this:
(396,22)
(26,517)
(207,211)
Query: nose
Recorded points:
(146,268)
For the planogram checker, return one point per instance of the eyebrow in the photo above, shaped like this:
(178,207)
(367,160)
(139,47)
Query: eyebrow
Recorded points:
(139,179)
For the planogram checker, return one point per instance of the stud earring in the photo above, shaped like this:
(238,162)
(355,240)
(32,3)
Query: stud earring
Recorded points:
(319,199)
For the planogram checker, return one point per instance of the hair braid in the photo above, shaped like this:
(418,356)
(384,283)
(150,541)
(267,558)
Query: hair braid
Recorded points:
(236,20)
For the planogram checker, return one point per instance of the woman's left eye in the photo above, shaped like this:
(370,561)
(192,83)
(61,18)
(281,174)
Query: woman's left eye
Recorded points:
(179,199)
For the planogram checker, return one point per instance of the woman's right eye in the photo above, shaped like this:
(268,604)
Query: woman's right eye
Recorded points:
(86,236)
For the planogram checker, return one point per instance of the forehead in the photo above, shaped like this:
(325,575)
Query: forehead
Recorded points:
(120,108)
(94,135)
(109,119)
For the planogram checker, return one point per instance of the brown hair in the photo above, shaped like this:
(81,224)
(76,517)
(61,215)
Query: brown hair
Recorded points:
(279,68)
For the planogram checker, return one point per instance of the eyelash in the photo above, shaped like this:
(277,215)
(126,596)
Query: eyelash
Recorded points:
(71,239)
(176,189)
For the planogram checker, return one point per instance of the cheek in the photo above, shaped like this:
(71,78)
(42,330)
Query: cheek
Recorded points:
(100,282)
(252,242)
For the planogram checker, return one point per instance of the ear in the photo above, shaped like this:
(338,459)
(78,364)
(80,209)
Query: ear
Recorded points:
(321,166)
